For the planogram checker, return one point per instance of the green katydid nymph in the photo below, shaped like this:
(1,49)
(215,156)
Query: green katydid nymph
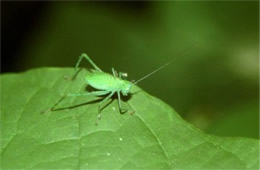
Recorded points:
(106,84)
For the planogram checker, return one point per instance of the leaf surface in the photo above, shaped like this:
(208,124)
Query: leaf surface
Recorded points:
(155,136)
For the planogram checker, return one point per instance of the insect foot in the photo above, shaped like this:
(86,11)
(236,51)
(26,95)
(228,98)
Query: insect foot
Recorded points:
(68,78)
(122,111)
(132,113)
(45,111)
(98,119)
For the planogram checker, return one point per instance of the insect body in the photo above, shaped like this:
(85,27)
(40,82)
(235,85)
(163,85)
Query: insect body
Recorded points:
(112,83)
(106,84)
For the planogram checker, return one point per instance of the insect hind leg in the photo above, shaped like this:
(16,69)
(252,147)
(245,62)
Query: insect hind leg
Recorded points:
(77,69)
(94,93)
(84,55)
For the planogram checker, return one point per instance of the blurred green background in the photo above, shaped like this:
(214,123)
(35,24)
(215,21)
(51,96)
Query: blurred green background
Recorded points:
(214,86)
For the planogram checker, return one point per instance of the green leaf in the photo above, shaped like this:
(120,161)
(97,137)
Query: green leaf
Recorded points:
(155,136)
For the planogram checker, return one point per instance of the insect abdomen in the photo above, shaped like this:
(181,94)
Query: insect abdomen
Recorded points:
(103,81)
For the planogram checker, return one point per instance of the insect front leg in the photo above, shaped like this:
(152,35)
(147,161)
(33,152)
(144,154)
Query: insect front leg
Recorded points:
(122,75)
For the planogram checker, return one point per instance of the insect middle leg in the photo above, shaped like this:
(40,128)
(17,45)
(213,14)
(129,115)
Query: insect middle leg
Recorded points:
(97,93)
(114,72)
(119,103)
(120,74)
(100,105)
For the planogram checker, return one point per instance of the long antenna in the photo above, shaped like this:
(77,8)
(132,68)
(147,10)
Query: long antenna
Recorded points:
(167,63)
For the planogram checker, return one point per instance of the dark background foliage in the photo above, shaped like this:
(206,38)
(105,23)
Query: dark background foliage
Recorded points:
(214,86)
